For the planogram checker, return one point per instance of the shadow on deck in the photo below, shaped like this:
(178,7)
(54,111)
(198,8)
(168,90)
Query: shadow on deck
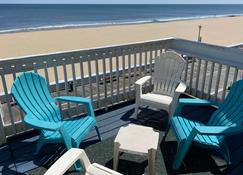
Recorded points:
(17,155)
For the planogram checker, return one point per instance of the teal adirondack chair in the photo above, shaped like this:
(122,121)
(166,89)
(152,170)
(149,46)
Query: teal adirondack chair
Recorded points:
(227,120)
(31,93)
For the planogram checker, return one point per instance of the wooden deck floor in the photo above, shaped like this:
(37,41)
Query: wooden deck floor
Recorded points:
(16,157)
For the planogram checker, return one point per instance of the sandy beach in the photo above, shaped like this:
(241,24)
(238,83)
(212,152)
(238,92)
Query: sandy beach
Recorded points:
(221,31)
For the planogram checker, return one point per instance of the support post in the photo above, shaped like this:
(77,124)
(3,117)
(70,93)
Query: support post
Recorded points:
(2,132)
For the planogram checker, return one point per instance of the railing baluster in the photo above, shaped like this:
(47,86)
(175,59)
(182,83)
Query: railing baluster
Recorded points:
(117,78)
(197,77)
(5,89)
(104,79)
(2,132)
(204,78)
(210,80)
(161,50)
(97,80)
(35,67)
(235,74)
(111,75)
(74,84)
(135,64)
(151,64)
(225,81)
(56,78)
(217,82)
(82,76)
(14,77)
(191,75)
(14,72)
(123,74)
(156,52)
(133,69)
(140,62)
(186,69)
(46,74)
(145,62)
(90,80)
(129,73)
(151,61)
(57,82)
(65,80)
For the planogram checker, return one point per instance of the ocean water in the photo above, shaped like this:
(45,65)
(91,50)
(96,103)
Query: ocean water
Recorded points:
(14,18)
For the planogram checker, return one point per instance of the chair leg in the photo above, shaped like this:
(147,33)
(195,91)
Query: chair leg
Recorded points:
(98,132)
(225,152)
(182,149)
(77,165)
(41,141)
(166,132)
(136,110)
(151,161)
(116,155)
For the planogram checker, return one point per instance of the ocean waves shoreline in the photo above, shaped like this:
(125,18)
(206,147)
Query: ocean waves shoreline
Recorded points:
(112,23)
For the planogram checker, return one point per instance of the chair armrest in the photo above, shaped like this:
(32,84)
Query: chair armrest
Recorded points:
(39,124)
(196,102)
(213,130)
(193,102)
(86,101)
(73,99)
(142,80)
(139,84)
(181,88)
(67,160)
(218,130)
(51,126)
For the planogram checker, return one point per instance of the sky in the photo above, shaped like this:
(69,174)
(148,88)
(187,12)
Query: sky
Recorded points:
(121,1)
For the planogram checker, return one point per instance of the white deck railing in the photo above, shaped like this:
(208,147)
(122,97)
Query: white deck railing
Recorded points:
(107,75)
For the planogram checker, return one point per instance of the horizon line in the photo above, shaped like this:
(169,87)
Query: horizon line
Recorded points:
(121,4)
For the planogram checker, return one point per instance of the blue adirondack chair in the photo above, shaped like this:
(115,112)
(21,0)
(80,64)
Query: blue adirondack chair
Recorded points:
(31,93)
(225,121)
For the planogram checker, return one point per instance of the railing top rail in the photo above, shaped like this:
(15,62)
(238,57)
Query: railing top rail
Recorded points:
(87,50)
(220,54)
(187,46)
(8,65)
(231,56)
(239,45)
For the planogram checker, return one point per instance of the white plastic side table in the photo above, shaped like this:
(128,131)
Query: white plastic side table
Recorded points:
(139,140)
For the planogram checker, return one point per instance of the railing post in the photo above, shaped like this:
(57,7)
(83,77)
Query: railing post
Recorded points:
(2,132)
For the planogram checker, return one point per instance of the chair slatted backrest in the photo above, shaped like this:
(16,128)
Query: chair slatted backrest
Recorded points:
(231,111)
(167,73)
(31,93)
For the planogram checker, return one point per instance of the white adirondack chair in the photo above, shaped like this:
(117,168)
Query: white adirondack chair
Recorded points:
(167,84)
(73,155)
